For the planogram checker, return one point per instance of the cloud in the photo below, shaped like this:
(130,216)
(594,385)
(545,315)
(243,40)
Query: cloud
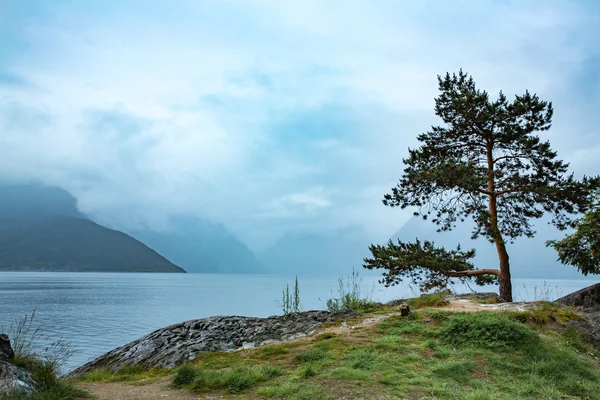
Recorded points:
(270,116)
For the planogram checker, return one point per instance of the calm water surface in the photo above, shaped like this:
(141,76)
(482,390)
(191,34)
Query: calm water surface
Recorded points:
(97,312)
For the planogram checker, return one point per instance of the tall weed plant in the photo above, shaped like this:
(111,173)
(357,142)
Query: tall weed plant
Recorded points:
(45,365)
(351,295)
(290,301)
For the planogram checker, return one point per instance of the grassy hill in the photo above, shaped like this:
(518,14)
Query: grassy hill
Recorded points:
(76,244)
(434,353)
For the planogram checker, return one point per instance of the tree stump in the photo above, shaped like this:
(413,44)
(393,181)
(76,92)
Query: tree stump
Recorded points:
(404,310)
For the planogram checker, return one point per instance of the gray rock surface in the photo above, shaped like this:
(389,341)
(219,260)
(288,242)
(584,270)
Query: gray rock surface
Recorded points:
(12,378)
(586,299)
(170,346)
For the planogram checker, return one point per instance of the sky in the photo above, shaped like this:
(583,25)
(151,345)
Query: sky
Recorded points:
(269,116)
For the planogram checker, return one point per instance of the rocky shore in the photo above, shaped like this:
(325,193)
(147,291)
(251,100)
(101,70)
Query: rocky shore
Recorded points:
(12,377)
(170,346)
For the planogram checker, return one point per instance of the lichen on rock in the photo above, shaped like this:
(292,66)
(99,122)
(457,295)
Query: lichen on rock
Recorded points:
(168,347)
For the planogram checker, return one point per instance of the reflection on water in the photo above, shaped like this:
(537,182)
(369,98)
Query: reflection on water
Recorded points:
(98,312)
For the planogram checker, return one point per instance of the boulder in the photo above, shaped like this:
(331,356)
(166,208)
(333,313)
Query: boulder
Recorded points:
(13,379)
(6,351)
(585,299)
(171,346)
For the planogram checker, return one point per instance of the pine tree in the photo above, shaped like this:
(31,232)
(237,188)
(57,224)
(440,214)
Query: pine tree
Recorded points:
(485,163)
(582,248)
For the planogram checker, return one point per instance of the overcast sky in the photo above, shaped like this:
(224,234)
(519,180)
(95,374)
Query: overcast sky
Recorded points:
(269,116)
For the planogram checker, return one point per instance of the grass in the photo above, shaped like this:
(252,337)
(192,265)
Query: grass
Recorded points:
(432,354)
(436,299)
(128,373)
(488,330)
(350,296)
(61,390)
(546,312)
(311,355)
(234,380)
(43,365)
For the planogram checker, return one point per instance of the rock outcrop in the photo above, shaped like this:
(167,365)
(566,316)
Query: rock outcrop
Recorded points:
(6,351)
(12,378)
(170,346)
(585,299)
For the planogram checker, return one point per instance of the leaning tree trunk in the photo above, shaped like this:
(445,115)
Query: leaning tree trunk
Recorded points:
(504,278)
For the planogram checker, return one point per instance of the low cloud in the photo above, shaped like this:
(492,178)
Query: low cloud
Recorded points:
(271,117)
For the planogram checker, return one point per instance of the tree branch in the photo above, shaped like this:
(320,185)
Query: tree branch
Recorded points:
(476,272)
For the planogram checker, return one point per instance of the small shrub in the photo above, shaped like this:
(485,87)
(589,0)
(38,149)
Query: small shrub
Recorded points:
(436,299)
(487,330)
(350,296)
(312,355)
(235,380)
(439,316)
(184,376)
(548,312)
(412,326)
(240,381)
(544,313)
(307,371)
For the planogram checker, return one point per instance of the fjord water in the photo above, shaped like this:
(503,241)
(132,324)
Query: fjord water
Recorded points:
(97,312)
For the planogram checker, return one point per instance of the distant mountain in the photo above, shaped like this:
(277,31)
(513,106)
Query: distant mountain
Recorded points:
(201,246)
(529,258)
(316,254)
(41,229)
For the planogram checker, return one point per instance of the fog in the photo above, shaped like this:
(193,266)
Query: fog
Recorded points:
(268,120)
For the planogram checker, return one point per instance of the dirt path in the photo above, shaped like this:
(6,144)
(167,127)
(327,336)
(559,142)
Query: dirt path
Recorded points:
(157,390)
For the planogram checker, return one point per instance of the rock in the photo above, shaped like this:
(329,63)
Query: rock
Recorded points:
(588,328)
(477,296)
(13,378)
(585,299)
(404,310)
(395,303)
(170,346)
(6,351)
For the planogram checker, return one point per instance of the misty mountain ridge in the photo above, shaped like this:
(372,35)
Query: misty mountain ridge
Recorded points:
(199,245)
(41,229)
(529,257)
(316,254)
(35,221)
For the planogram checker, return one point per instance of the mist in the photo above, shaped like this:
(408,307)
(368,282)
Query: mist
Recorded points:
(271,125)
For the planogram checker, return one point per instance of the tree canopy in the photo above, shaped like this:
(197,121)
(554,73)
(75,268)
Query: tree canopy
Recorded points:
(485,163)
(582,248)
